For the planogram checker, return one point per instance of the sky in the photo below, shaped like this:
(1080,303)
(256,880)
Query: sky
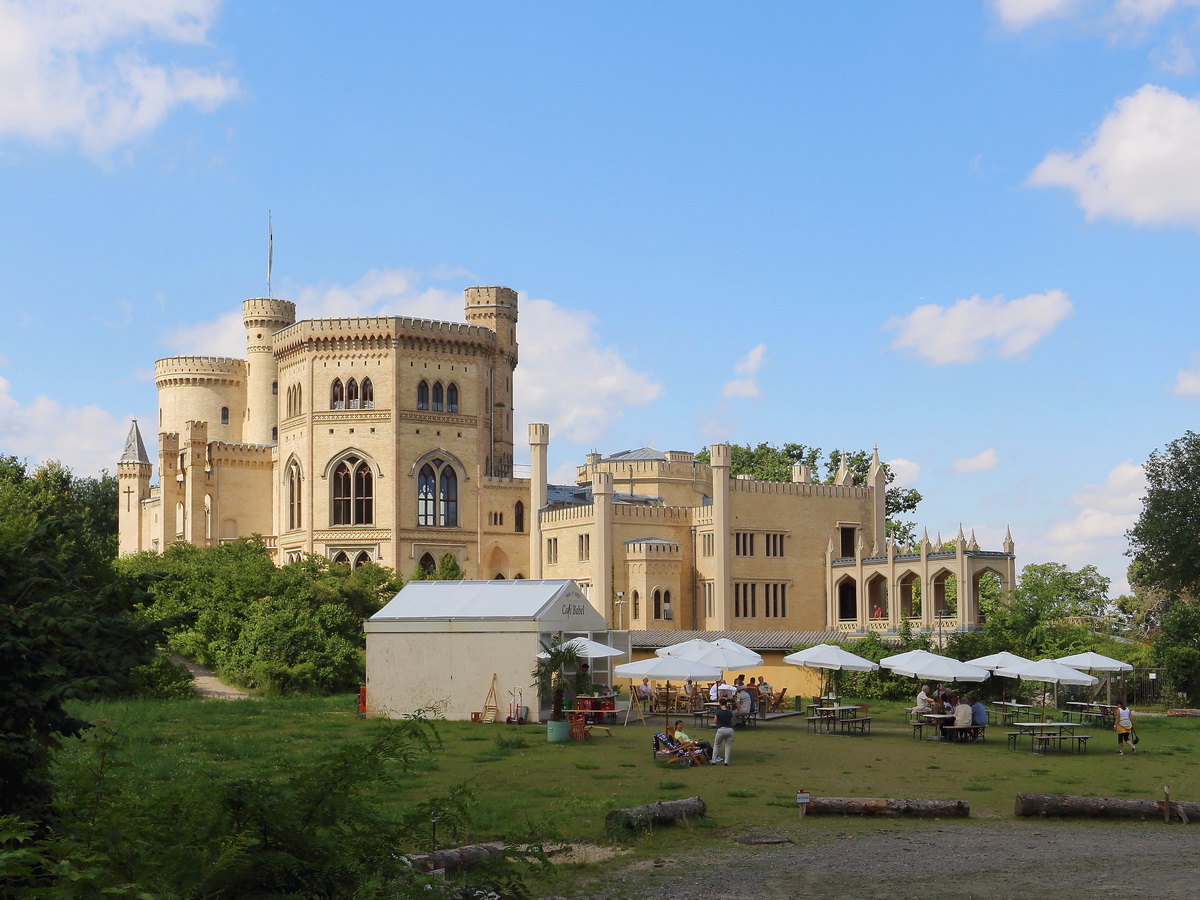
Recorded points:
(964,231)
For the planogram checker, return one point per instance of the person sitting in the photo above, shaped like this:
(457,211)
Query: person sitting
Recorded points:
(765,694)
(745,705)
(645,692)
(924,702)
(715,689)
(752,690)
(962,719)
(725,690)
(979,715)
(676,733)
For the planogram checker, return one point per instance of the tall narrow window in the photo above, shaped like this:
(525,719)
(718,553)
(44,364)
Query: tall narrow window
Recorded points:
(519,517)
(452,398)
(224,415)
(352,394)
(423,395)
(337,395)
(368,394)
(353,493)
(294,497)
(438,396)
(437,494)
(637,606)
(658,604)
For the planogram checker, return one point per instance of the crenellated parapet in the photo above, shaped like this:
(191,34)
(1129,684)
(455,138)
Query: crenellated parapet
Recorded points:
(179,370)
(809,489)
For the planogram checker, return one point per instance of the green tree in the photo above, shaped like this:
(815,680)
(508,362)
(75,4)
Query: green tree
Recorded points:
(1165,541)
(766,462)
(447,569)
(557,670)
(64,635)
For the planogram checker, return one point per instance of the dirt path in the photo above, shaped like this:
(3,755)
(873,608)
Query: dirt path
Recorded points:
(207,684)
(973,860)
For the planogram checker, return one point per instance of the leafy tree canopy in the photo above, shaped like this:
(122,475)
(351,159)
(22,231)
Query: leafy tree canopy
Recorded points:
(766,462)
(1165,541)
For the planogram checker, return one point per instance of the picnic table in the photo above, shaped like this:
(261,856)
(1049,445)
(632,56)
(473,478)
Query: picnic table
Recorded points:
(1044,735)
(1009,710)
(1097,713)
(936,720)
(828,717)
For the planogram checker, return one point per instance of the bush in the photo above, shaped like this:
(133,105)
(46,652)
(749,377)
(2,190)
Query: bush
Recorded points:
(161,679)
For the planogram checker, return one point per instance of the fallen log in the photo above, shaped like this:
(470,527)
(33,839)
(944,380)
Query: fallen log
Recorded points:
(872,806)
(1102,807)
(454,859)
(665,812)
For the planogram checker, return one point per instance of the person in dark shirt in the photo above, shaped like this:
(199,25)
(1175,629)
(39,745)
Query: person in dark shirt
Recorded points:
(724,719)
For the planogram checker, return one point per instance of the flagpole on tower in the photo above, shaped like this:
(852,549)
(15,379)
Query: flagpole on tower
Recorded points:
(270,253)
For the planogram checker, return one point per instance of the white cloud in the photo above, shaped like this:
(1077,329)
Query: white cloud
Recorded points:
(1140,165)
(1146,12)
(1096,535)
(87,439)
(566,377)
(746,385)
(906,471)
(1176,57)
(1187,382)
(77,69)
(959,333)
(980,462)
(1019,14)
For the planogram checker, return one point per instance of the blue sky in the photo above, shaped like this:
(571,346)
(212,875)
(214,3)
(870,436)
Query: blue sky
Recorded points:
(962,231)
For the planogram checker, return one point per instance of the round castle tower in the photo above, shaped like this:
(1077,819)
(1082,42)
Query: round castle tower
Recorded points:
(208,389)
(262,318)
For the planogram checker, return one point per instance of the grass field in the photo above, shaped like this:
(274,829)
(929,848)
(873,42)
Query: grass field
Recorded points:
(526,786)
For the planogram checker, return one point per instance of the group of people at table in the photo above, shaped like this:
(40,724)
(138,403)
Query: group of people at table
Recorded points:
(962,716)
(746,698)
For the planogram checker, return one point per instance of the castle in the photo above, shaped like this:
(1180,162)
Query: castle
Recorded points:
(390,439)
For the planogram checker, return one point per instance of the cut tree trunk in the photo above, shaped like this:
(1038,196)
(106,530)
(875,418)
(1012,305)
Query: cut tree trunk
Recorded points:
(639,818)
(1101,807)
(871,806)
(457,858)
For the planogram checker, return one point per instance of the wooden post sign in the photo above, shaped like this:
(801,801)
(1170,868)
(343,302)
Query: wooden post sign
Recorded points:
(802,800)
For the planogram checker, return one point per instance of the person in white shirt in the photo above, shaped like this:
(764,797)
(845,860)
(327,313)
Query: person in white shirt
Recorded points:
(924,704)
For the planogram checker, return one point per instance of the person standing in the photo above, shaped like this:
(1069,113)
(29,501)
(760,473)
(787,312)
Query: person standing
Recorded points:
(1124,728)
(723,742)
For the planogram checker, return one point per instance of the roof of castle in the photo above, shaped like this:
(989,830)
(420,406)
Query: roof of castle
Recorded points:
(135,450)
(755,640)
(640,453)
(581,495)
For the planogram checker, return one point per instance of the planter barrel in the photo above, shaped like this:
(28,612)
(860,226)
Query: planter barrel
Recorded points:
(558,731)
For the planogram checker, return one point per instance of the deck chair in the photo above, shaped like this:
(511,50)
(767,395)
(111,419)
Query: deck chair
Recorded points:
(578,727)
(777,700)
(670,751)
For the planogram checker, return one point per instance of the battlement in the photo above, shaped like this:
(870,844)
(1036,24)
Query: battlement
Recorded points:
(750,486)
(678,514)
(263,312)
(491,296)
(569,513)
(186,367)
(385,327)
(651,547)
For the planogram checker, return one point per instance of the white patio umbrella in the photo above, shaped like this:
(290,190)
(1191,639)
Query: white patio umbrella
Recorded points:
(1048,671)
(832,658)
(1001,660)
(665,668)
(586,648)
(722,653)
(1095,662)
(923,664)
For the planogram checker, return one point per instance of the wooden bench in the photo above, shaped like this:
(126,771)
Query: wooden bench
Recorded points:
(976,732)
(1013,737)
(1044,742)
(861,724)
(817,722)
(1081,741)
(918,730)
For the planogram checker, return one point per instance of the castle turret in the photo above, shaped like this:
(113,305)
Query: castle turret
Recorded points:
(133,486)
(496,308)
(539,440)
(262,318)
(202,389)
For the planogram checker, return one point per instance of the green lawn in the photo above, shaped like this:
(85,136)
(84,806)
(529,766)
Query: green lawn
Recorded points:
(526,786)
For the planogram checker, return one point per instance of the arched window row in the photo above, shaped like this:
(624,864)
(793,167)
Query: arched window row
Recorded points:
(437,398)
(353,493)
(352,394)
(359,559)
(295,398)
(437,495)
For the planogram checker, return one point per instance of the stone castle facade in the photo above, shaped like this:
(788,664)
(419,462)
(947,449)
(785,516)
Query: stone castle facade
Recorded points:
(390,440)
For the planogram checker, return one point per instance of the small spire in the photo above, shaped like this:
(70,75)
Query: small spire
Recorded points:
(135,450)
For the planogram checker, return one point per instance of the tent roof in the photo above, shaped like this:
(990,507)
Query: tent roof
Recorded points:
(440,601)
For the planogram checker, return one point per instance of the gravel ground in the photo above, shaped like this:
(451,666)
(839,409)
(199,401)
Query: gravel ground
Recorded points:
(874,859)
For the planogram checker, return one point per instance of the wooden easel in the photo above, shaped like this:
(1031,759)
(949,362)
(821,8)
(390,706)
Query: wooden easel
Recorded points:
(635,705)
(490,707)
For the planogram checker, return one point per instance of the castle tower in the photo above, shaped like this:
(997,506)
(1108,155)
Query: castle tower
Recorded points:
(262,318)
(495,308)
(201,389)
(133,486)
(602,553)
(539,440)
(721,460)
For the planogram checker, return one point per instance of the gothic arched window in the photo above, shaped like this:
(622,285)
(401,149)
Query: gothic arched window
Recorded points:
(368,394)
(518,517)
(423,395)
(295,507)
(362,559)
(438,397)
(437,495)
(352,394)
(452,398)
(337,395)
(353,493)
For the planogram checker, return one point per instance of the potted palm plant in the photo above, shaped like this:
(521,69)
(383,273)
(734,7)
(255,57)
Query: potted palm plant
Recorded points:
(557,670)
